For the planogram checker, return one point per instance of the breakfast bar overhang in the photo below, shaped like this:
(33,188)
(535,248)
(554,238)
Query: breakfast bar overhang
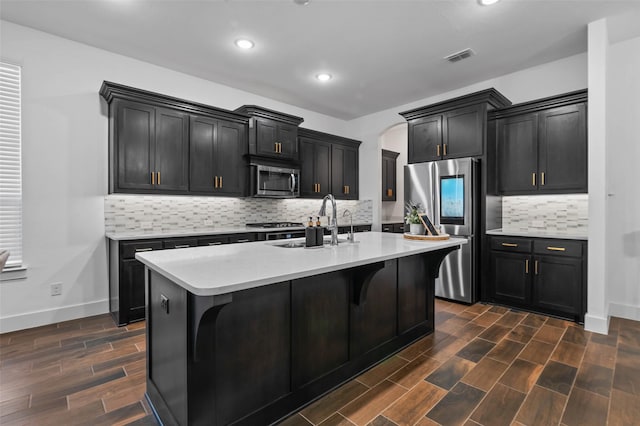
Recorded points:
(249,333)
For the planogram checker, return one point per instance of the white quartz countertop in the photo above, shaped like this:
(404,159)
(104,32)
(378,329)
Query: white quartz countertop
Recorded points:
(537,234)
(141,235)
(214,270)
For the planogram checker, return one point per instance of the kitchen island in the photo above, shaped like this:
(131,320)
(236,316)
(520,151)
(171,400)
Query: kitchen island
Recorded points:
(246,334)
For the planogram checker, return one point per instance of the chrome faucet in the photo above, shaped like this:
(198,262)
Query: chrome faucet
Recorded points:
(352,237)
(333,221)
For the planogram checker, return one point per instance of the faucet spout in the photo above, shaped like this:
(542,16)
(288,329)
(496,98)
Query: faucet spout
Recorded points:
(333,222)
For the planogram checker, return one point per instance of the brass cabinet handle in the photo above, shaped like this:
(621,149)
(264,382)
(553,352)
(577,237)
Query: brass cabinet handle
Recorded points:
(389,192)
(215,181)
(556,248)
(348,189)
(144,249)
(533,179)
(536,267)
(242,241)
(318,187)
(217,243)
(542,178)
(275,147)
(158,178)
(509,245)
(438,150)
(182,246)
(526,266)
(153,178)
(220,181)
(444,149)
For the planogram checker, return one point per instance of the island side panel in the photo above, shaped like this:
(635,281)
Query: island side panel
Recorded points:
(252,359)
(374,317)
(414,287)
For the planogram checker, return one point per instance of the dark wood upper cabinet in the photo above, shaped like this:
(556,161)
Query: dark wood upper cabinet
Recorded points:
(542,146)
(165,145)
(272,134)
(451,129)
(329,165)
(217,149)
(389,175)
(315,167)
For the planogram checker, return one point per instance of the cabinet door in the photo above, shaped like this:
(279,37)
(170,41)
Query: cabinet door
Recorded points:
(230,166)
(308,183)
(201,146)
(510,277)
(425,139)
(135,141)
(287,137)
(463,132)
(563,149)
(172,150)
(322,167)
(132,287)
(266,135)
(517,154)
(558,284)
(344,172)
(388,179)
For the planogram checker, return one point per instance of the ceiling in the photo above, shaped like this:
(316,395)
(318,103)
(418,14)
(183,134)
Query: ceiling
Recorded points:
(382,54)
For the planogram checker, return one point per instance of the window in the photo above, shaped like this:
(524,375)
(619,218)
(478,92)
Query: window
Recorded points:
(10,164)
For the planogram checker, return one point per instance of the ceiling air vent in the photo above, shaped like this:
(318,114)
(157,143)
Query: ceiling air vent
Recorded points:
(458,56)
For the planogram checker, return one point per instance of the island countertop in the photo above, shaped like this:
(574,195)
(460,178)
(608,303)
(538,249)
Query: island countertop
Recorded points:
(209,271)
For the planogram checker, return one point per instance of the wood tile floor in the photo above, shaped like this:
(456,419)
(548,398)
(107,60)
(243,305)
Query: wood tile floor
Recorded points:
(484,365)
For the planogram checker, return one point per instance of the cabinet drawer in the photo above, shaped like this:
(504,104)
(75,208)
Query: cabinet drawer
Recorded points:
(558,247)
(242,238)
(387,227)
(398,228)
(516,245)
(214,240)
(129,250)
(180,243)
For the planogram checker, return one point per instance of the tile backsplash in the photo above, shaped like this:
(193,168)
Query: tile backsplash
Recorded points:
(159,213)
(562,214)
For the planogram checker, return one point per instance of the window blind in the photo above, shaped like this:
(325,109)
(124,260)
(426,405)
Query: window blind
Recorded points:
(10,163)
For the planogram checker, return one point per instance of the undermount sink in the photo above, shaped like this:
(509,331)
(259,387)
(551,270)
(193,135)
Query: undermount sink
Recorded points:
(298,244)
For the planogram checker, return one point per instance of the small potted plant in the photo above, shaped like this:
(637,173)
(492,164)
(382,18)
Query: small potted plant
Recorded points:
(413,218)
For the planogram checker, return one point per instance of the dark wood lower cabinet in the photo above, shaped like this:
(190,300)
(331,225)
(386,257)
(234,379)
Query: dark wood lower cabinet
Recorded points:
(252,357)
(543,275)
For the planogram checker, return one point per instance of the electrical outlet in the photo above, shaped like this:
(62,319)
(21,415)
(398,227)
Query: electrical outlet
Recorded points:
(208,222)
(146,225)
(56,289)
(164,303)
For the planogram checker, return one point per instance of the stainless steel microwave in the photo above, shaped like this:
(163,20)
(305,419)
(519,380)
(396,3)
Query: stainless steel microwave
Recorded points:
(274,182)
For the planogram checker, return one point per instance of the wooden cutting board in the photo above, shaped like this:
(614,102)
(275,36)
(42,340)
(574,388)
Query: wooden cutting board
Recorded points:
(440,237)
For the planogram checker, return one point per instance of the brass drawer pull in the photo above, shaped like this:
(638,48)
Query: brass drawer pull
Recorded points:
(158,178)
(182,246)
(389,192)
(509,245)
(220,181)
(153,178)
(526,266)
(217,243)
(144,249)
(556,248)
(542,178)
(438,150)
(533,179)
(242,241)
(215,181)
(536,267)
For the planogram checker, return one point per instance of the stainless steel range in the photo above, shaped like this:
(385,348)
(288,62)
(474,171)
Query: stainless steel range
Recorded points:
(282,234)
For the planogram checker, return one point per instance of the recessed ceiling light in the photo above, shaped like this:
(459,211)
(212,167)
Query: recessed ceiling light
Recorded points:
(324,76)
(488,2)
(244,43)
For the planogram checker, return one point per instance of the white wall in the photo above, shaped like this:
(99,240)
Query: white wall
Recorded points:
(556,77)
(65,166)
(395,139)
(623,157)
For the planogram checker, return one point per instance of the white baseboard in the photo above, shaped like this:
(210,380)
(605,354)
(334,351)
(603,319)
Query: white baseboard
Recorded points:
(624,311)
(596,324)
(52,316)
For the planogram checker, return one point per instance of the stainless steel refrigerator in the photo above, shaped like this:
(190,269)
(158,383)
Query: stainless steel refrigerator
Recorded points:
(447,191)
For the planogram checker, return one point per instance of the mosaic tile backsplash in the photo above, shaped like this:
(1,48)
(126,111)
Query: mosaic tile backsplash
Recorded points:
(130,213)
(562,214)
